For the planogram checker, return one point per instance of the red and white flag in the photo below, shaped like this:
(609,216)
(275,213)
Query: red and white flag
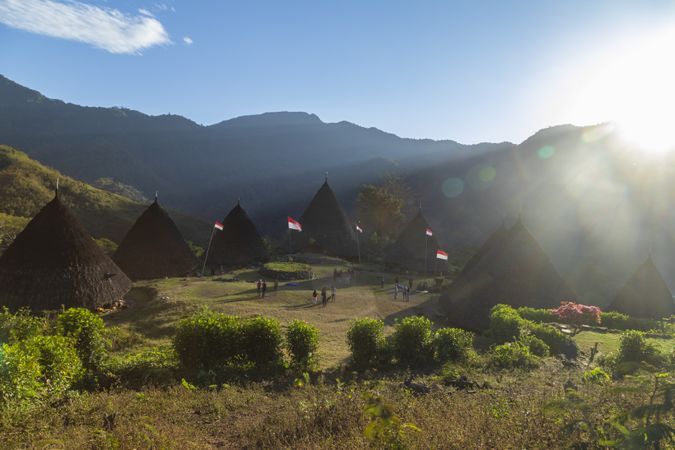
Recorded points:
(359,229)
(218,226)
(429,232)
(440,254)
(294,224)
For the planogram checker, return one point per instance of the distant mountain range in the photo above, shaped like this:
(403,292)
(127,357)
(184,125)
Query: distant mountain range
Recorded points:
(204,169)
(597,206)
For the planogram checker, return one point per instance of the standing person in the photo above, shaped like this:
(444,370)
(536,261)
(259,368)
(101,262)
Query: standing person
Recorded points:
(407,294)
(382,282)
(275,286)
(333,293)
(395,291)
(410,283)
(264,288)
(315,297)
(259,286)
(324,296)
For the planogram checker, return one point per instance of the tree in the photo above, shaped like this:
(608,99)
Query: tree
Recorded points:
(379,207)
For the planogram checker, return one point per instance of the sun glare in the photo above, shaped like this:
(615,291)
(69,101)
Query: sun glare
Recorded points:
(634,86)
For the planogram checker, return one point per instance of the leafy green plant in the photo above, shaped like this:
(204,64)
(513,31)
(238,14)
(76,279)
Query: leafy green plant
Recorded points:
(87,331)
(262,341)
(541,315)
(302,340)
(20,325)
(505,324)
(365,340)
(385,429)
(412,341)
(536,346)
(20,374)
(208,340)
(596,376)
(512,355)
(451,344)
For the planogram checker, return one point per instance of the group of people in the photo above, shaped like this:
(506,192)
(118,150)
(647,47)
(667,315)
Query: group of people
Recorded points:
(324,296)
(404,289)
(262,287)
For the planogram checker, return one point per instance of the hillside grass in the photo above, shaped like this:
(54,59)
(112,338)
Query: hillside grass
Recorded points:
(26,186)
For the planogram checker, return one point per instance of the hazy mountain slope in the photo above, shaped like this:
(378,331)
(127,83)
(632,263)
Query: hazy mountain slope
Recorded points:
(597,206)
(176,156)
(26,186)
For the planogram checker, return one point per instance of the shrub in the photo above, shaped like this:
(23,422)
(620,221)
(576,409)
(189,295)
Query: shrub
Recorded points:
(86,329)
(302,340)
(19,374)
(20,325)
(596,376)
(633,347)
(59,362)
(412,341)
(512,355)
(618,321)
(262,341)
(365,340)
(558,342)
(452,344)
(536,314)
(207,340)
(577,314)
(536,346)
(156,366)
(505,323)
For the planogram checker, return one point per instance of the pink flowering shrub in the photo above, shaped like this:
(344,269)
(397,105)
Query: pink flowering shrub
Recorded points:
(577,314)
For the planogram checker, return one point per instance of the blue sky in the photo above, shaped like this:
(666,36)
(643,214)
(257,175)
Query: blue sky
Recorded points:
(469,71)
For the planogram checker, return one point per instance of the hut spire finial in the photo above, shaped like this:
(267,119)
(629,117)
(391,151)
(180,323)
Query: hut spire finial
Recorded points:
(238,201)
(326,174)
(56,191)
(156,195)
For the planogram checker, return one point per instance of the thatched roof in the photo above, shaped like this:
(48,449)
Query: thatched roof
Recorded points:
(238,243)
(408,250)
(645,294)
(326,226)
(54,262)
(509,268)
(154,248)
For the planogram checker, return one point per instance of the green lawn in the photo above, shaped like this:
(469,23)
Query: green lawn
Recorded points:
(609,342)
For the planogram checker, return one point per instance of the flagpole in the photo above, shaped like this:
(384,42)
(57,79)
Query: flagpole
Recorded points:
(358,246)
(290,246)
(206,255)
(426,251)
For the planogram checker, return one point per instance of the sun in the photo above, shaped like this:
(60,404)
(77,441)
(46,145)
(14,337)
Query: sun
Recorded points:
(633,85)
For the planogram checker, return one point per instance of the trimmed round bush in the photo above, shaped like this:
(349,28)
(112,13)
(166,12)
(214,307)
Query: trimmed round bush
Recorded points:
(302,340)
(505,323)
(262,341)
(541,315)
(207,340)
(537,346)
(558,342)
(87,331)
(451,344)
(634,347)
(412,341)
(512,355)
(365,339)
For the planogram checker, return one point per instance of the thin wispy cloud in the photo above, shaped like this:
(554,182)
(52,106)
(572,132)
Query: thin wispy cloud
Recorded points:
(105,28)
(188,40)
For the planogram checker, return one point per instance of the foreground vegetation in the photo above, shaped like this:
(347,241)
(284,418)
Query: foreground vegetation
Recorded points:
(204,363)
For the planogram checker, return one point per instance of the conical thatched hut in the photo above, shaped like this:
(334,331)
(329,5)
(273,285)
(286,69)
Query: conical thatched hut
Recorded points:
(645,294)
(238,243)
(154,248)
(409,249)
(510,268)
(325,226)
(54,262)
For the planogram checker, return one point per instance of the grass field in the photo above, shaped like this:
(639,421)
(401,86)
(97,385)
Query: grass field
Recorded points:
(513,410)
(152,317)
